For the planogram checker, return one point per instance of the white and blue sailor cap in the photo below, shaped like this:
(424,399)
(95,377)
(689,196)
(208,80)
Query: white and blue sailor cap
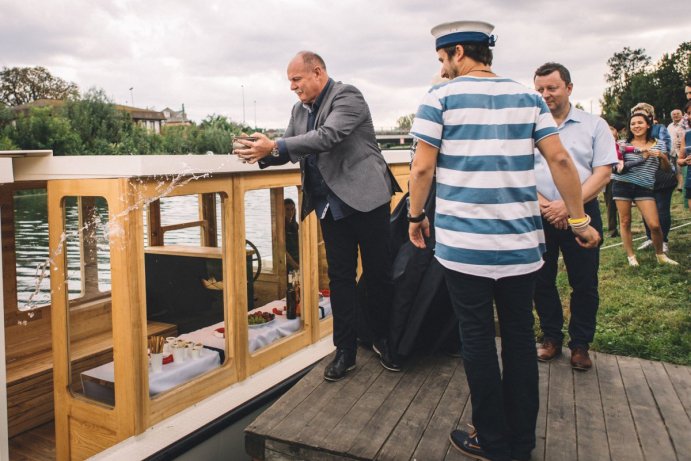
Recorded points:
(461,32)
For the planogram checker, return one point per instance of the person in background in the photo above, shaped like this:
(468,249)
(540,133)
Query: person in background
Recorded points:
(684,160)
(292,236)
(612,214)
(636,185)
(676,131)
(478,132)
(665,179)
(347,183)
(589,142)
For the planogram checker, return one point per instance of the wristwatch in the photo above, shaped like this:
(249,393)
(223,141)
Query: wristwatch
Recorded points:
(275,152)
(416,219)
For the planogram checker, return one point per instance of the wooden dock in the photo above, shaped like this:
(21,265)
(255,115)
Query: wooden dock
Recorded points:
(623,409)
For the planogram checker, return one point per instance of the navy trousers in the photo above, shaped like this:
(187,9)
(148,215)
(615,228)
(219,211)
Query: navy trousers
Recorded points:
(368,231)
(581,268)
(505,403)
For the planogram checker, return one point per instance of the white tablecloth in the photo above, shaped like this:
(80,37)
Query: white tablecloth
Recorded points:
(171,375)
(259,336)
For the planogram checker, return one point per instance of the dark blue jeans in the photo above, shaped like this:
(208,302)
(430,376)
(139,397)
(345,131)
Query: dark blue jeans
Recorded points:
(663,202)
(581,268)
(505,405)
(368,231)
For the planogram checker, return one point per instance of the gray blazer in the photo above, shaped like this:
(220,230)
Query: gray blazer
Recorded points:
(348,156)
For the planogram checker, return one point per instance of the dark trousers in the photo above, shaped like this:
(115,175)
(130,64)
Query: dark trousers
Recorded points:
(663,202)
(612,214)
(505,405)
(370,233)
(581,268)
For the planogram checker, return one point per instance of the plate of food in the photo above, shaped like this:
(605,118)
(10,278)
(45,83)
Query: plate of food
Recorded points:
(260,319)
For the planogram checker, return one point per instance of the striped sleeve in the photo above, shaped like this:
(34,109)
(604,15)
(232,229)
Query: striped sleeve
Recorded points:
(429,122)
(544,122)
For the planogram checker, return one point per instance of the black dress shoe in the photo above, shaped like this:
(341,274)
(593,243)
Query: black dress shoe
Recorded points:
(386,356)
(342,364)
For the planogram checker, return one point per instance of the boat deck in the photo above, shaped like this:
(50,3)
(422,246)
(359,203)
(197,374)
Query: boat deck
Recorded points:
(623,409)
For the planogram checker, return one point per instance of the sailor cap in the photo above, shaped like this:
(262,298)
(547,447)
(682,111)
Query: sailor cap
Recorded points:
(453,33)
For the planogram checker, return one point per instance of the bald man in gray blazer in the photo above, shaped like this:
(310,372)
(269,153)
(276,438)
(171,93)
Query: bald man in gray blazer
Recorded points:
(347,182)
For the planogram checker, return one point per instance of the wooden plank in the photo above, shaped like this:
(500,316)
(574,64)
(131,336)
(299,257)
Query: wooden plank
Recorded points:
(282,451)
(408,432)
(590,419)
(675,418)
(621,432)
(385,419)
(257,431)
(316,432)
(353,423)
(435,441)
(560,442)
(650,426)
(185,250)
(316,403)
(543,369)
(681,380)
(466,419)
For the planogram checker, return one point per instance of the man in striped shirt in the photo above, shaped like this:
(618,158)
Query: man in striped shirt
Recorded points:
(478,132)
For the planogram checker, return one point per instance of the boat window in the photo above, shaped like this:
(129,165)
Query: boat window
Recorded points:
(273,230)
(86,242)
(31,247)
(185,285)
(87,235)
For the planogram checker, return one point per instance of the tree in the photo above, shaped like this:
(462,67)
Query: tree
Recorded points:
(22,85)
(42,130)
(405,122)
(97,123)
(623,67)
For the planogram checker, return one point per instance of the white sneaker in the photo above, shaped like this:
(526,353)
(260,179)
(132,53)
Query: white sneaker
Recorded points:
(665,247)
(664,259)
(633,262)
(646,244)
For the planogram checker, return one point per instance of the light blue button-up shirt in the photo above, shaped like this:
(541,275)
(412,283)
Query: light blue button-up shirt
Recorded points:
(588,139)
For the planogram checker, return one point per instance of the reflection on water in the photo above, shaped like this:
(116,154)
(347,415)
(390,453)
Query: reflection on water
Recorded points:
(31,235)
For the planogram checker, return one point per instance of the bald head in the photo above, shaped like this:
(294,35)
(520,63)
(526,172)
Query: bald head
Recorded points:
(307,76)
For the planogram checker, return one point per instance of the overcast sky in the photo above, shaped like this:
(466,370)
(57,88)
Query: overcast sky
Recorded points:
(206,55)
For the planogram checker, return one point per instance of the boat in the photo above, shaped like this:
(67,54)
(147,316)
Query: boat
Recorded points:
(145,344)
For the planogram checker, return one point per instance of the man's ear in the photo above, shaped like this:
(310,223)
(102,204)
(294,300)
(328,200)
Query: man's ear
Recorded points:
(460,52)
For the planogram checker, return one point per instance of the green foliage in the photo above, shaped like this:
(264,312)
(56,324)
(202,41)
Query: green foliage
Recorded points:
(98,124)
(632,79)
(6,143)
(41,130)
(21,85)
(405,122)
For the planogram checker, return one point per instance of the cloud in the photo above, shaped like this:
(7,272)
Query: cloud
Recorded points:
(209,55)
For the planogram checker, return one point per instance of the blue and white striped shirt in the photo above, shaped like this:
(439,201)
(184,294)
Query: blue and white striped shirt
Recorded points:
(487,219)
(642,174)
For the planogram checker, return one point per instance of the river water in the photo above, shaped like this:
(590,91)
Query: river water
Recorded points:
(31,238)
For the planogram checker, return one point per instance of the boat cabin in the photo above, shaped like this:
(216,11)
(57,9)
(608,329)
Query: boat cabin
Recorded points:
(164,282)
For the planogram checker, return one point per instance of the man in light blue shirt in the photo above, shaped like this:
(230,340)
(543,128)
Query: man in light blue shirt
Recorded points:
(590,143)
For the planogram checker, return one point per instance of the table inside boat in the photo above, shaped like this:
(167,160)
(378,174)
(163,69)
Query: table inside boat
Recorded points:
(259,335)
(98,383)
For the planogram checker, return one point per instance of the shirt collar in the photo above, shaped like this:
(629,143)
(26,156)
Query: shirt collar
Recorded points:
(314,107)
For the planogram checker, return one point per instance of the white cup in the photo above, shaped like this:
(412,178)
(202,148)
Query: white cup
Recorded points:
(156,363)
(178,353)
(196,351)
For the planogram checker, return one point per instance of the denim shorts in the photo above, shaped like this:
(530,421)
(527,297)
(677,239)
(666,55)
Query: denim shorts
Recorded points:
(627,191)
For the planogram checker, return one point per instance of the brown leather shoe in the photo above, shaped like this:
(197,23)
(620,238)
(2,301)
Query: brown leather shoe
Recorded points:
(548,350)
(580,359)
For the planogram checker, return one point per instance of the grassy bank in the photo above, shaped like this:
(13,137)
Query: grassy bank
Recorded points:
(644,312)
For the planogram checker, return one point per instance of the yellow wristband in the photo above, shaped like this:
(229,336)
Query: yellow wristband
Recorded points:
(577,221)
